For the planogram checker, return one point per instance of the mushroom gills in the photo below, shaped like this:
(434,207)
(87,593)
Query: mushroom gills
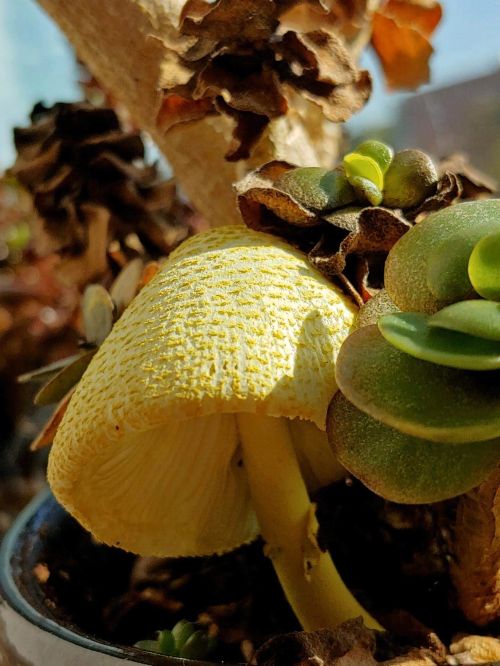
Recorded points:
(198,505)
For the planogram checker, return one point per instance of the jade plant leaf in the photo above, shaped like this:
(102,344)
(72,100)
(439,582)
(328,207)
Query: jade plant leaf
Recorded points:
(365,167)
(418,398)
(480,318)
(401,468)
(484,267)
(410,333)
(377,306)
(447,276)
(58,386)
(406,271)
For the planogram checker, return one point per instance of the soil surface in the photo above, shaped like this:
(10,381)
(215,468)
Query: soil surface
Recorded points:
(394,558)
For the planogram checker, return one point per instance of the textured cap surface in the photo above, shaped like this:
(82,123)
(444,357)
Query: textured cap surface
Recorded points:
(235,322)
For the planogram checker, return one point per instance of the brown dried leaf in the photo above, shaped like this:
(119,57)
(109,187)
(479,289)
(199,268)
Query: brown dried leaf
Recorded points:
(327,646)
(46,436)
(476,650)
(264,207)
(60,385)
(476,571)
(244,64)
(148,273)
(126,284)
(319,54)
(474,183)
(338,103)
(374,230)
(244,20)
(400,37)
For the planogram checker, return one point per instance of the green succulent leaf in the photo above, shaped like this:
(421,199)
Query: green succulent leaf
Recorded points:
(406,268)
(402,468)
(418,398)
(317,188)
(198,646)
(64,380)
(366,190)
(447,276)
(484,267)
(357,165)
(480,318)
(181,632)
(149,646)
(410,333)
(410,178)
(378,305)
(378,151)
(166,643)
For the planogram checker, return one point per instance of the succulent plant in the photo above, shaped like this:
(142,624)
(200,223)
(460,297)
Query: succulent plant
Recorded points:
(346,219)
(184,640)
(418,416)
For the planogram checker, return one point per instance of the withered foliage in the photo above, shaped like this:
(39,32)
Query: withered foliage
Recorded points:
(245,62)
(458,180)
(246,58)
(90,186)
(400,37)
(476,570)
(350,644)
(348,245)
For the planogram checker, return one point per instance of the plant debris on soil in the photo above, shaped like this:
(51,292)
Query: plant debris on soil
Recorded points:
(396,559)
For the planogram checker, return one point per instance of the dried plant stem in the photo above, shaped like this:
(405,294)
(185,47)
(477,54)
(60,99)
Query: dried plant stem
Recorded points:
(131,47)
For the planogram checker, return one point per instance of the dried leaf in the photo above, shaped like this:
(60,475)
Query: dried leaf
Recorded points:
(320,55)
(98,314)
(338,103)
(374,230)
(260,202)
(150,270)
(46,436)
(474,183)
(327,646)
(82,168)
(61,384)
(476,650)
(48,371)
(245,64)
(476,571)
(126,285)
(400,33)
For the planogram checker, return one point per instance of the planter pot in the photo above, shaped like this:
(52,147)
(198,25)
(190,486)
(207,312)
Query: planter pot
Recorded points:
(31,632)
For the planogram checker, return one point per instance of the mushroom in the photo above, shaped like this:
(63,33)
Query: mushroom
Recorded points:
(181,437)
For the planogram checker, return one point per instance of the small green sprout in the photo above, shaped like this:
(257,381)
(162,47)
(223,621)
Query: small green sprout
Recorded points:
(184,640)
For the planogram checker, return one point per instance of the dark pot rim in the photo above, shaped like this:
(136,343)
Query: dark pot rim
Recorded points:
(15,589)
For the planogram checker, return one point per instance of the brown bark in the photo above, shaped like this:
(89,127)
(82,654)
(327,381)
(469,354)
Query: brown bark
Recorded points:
(132,47)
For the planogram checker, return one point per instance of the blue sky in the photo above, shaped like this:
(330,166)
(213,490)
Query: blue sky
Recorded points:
(36,62)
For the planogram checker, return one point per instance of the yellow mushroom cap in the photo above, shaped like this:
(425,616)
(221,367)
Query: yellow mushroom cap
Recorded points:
(147,455)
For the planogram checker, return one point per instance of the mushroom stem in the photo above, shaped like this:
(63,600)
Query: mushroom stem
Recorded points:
(288,524)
